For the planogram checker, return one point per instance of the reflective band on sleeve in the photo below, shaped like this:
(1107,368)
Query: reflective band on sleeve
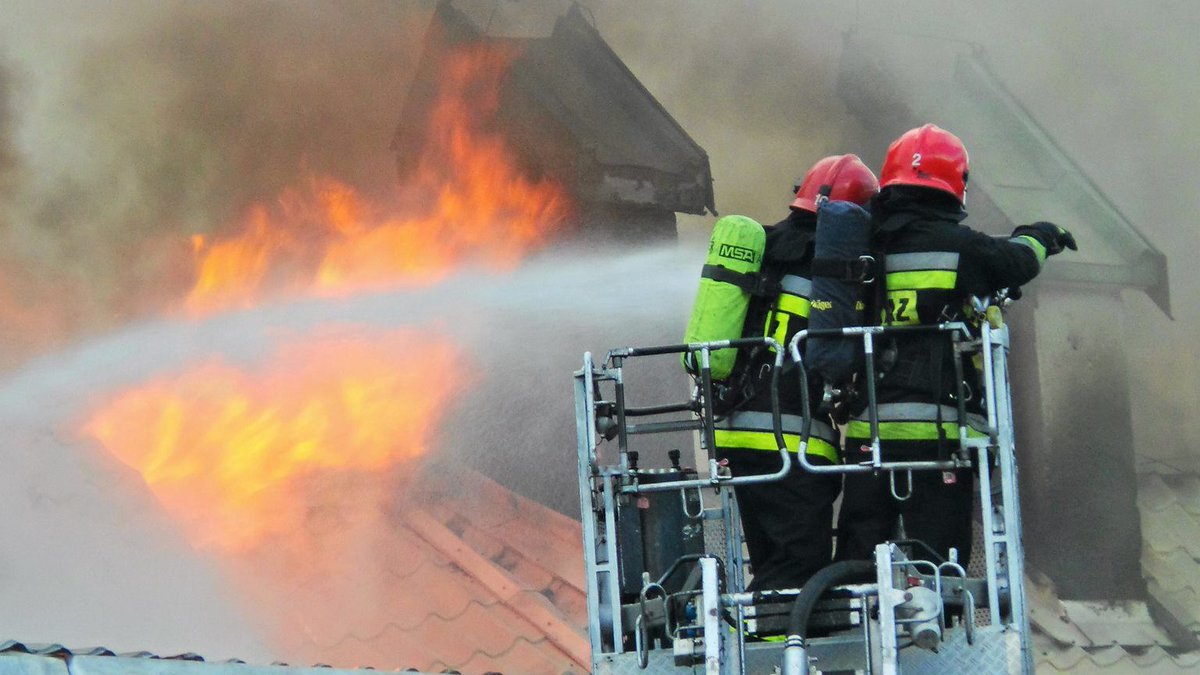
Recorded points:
(1038,249)
(793,304)
(922,280)
(764,440)
(931,260)
(796,285)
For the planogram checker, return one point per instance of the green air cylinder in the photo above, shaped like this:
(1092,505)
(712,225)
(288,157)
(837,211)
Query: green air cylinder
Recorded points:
(731,269)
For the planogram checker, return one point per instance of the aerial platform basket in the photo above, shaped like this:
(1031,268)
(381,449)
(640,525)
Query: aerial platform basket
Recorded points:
(665,571)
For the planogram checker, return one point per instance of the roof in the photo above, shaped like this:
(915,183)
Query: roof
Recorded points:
(468,577)
(1084,637)
(1170,508)
(471,577)
(18,658)
(573,110)
(485,580)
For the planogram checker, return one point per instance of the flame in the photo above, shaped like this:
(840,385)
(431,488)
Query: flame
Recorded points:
(466,201)
(232,452)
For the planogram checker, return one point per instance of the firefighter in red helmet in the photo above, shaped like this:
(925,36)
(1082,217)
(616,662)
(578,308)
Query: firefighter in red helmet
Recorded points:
(933,263)
(787,524)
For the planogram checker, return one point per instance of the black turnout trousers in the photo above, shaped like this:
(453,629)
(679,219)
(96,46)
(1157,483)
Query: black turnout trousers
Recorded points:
(788,524)
(938,512)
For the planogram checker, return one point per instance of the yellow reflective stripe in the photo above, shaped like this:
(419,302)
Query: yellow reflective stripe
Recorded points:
(922,279)
(907,431)
(780,321)
(900,308)
(1038,249)
(793,304)
(762,440)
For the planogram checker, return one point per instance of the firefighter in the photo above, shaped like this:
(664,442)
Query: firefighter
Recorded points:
(933,263)
(788,524)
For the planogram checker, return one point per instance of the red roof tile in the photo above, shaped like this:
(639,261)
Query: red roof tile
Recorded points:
(463,574)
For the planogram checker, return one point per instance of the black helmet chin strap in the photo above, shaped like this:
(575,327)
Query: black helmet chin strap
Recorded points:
(823,195)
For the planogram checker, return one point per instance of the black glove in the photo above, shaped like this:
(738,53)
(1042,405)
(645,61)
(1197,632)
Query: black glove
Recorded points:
(1053,237)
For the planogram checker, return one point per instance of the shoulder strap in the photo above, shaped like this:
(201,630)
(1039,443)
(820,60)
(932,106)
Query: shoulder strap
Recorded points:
(754,284)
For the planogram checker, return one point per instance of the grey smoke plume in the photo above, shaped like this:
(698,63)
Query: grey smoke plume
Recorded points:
(146,122)
(8,153)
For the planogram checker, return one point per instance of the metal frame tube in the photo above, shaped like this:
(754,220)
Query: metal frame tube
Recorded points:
(712,616)
(708,431)
(876,463)
(586,445)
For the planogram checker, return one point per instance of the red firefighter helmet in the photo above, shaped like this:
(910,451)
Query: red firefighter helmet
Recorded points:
(838,177)
(927,156)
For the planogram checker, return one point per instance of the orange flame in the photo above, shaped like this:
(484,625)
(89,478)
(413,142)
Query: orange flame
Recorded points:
(467,201)
(229,451)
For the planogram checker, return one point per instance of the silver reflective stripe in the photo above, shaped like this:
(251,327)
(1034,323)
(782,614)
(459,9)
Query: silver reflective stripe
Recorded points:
(923,412)
(1039,251)
(796,285)
(761,421)
(932,260)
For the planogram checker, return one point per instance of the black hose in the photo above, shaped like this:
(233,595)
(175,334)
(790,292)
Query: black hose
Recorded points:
(816,586)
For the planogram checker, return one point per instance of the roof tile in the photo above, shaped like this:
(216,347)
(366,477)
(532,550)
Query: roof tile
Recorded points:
(1171,528)
(1154,494)
(1184,604)
(1113,659)
(1174,571)
(445,583)
(1047,614)
(1125,622)
(1187,491)
(523,657)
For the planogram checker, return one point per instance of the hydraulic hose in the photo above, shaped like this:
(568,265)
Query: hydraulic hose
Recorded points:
(795,656)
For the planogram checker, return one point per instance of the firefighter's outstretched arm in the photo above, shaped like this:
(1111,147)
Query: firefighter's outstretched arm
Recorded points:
(1015,261)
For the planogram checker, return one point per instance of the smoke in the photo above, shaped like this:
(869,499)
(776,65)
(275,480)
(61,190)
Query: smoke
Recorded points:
(8,153)
(752,83)
(521,336)
(148,122)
